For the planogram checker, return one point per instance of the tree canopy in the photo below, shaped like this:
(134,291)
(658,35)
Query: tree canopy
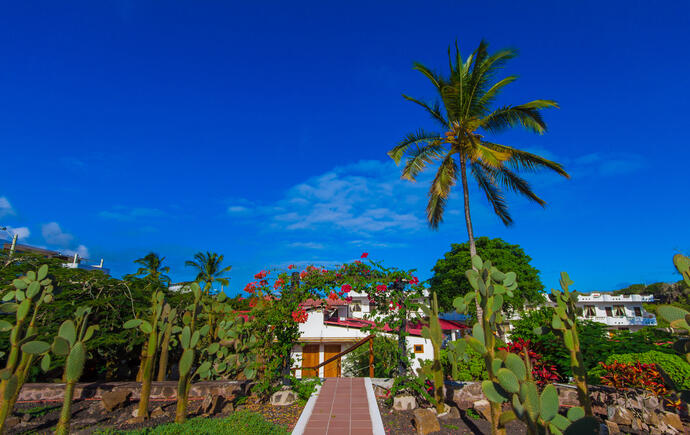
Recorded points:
(449,279)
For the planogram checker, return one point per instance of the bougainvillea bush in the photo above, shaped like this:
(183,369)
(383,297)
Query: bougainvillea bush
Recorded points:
(275,310)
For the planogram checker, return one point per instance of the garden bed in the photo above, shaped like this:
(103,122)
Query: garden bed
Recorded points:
(89,416)
(401,422)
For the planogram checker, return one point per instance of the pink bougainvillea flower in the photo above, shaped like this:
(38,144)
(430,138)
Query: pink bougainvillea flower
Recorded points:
(348,299)
(414,280)
(279,283)
(261,275)
(252,303)
(381,288)
(302,274)
(290,267)
(249,288)
(358,262)
(364,255)
(346,288)
(299,316)
(263,283)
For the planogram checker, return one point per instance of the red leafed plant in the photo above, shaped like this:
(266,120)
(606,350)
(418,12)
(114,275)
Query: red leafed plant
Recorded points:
(542,372)
(636,375)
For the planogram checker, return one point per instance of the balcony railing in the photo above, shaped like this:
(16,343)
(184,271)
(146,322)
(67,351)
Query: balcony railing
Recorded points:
(601,297)
(624,321)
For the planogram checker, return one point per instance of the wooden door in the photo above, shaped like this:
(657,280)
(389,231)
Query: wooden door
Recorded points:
(310,358)
(332,369)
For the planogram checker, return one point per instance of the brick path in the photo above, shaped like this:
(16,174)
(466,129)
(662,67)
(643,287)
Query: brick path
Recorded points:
(342,408)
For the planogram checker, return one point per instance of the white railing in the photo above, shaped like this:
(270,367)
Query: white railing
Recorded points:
(624,321)
(601,297)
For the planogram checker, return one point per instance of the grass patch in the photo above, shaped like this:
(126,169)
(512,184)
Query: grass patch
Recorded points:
(471,413)
(240,422)
(451,426)
(40,411)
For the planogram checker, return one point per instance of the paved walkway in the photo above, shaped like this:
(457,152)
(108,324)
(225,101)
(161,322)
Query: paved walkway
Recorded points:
(342,408)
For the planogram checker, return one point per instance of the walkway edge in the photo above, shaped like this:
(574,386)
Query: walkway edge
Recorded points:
(306,412)
(374,413)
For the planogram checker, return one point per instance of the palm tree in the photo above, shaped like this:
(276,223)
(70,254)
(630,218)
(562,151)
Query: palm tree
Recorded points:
(209,267)
(465,115)
(152,269)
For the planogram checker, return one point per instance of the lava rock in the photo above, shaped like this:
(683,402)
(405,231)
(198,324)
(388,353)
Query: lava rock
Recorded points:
(425,421)
(404,403)
(115,399)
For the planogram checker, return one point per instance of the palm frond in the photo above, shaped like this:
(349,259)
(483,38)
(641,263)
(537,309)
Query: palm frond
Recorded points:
(526,115)
(434,111)
(493,193)
(420,158)
(414,138)
(522,160)
(514,182)
(445,179)
(436,79)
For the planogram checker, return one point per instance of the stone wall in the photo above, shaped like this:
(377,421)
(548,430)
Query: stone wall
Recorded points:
(159,390)
(627,411)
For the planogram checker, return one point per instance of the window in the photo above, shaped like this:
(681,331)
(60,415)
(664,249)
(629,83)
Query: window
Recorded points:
(590,311)
(356,307)
(609,312)
(418,348)
(618,311)
(638,312)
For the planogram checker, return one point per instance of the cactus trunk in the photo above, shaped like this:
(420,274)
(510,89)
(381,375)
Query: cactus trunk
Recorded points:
(581,380)
(146,387)
(62,427)
(182,399)
(163,359)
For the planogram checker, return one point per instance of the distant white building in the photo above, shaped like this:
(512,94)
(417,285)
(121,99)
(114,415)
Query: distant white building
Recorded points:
(622,312)
(334,325)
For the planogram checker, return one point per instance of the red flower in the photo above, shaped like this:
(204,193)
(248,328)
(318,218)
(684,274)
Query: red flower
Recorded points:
(381,288)
(252,303)
(414,280)
(358,262)
(261,275)
(279,283)
(348,299)
(290,267)
(364,255)
(299,316)
(346,288)
(302,274)
(333,296)
(249,288)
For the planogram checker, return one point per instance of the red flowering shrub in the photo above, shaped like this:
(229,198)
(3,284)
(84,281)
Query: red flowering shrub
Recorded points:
(542,372)
(365,255)
(300,316)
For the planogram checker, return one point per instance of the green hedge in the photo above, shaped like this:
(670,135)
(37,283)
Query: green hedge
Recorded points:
(674,366)
(240,422)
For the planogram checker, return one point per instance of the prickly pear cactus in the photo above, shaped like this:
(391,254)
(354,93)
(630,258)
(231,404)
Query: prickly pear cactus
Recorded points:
(71,343)
(564,324)
(510,377)
(434,370)
(190,339)
(28,295)
(151,348)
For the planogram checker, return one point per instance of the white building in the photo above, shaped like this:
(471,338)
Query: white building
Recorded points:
(333,326)
(624,312)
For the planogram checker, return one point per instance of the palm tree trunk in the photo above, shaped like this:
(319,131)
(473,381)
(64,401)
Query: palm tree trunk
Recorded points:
(468,223)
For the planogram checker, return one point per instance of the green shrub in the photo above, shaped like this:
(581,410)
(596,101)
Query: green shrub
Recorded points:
(674,366)
(244,422)
(472,369)
(304,387)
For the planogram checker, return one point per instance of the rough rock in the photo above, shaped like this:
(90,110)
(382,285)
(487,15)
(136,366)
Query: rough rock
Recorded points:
(228,408)
(12,421)
(484,408)
(651,402)
(115,399)
(283,398)
(425,421)
(404,403)
(451,413)
(612,427)
(135,412)
(469,393)
(212,404)
(158,412)
(620,415)
(673,420)
(26,418)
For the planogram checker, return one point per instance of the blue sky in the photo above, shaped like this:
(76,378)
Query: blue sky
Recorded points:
(260,129)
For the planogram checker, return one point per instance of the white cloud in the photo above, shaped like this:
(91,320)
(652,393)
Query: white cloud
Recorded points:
(22,232)
(5,207)
(233,209)
(53,234)
(308,245)
(129,214)
(362,198)
(82,251)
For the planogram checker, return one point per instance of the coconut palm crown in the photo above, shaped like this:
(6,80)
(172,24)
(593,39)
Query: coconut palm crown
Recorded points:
(465,114)
(152,269)
(209,267)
